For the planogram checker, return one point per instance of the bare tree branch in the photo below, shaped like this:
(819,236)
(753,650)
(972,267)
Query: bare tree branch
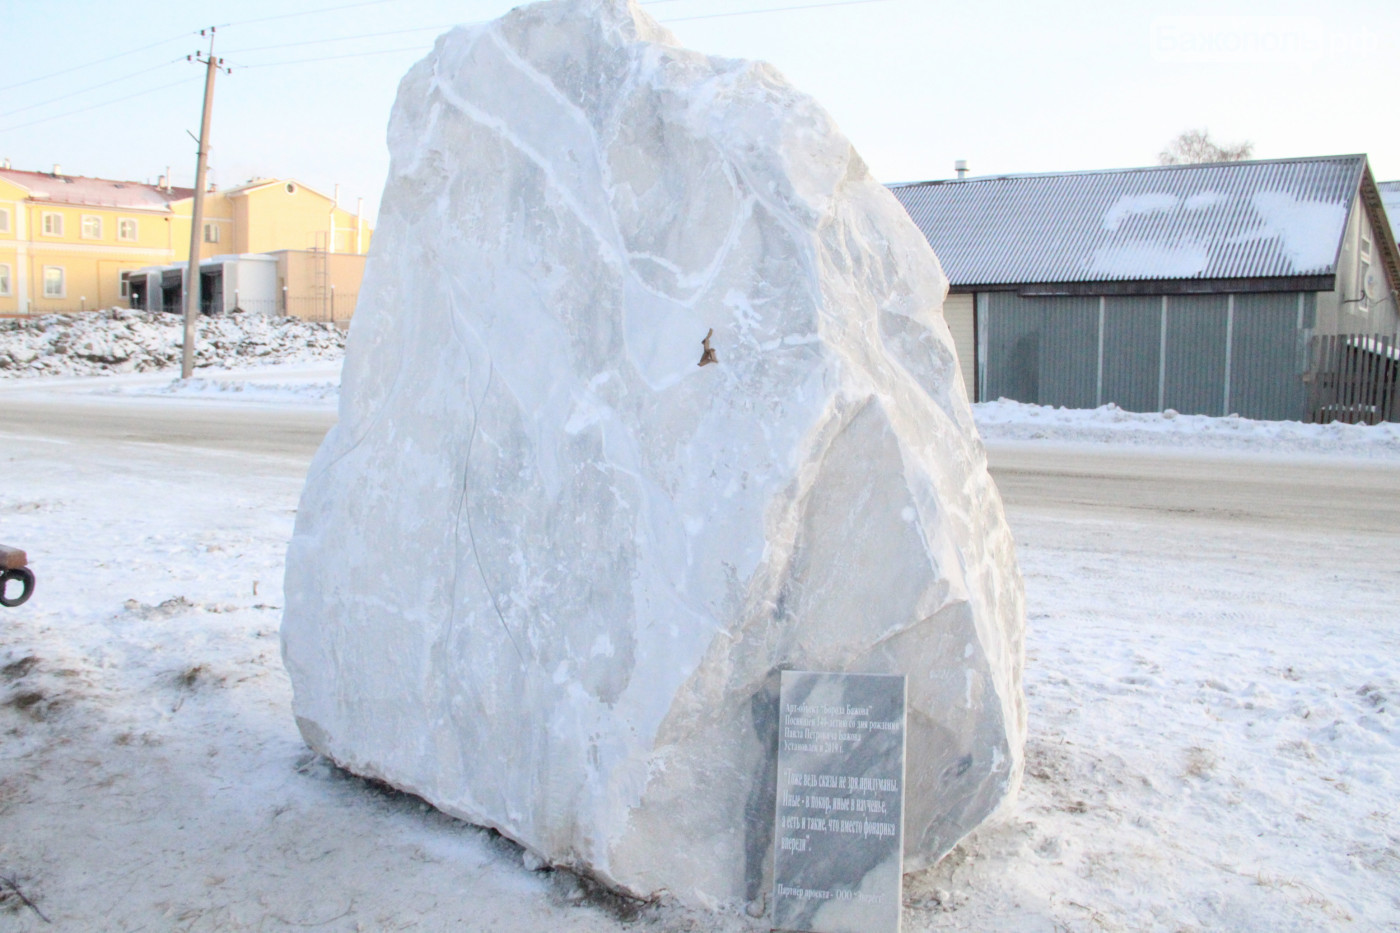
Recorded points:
(1196,146)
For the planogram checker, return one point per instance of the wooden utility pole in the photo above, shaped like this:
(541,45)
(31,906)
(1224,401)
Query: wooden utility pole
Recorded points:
(201,172)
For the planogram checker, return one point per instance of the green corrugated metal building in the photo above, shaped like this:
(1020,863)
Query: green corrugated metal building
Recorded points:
(1196,288)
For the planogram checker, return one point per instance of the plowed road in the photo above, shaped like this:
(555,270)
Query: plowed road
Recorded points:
(1341,495)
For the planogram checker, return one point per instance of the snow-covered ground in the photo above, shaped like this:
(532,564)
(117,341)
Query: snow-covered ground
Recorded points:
(1212,704)
(1005,420)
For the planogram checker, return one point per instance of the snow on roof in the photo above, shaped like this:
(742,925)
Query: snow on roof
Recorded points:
(1220,220)
(97,192)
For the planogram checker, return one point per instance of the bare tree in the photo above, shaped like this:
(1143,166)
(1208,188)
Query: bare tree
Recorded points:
(1196,146)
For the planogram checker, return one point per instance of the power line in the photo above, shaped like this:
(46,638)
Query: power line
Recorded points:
(328,58)
(184,35)
(775,9)
(350,6)
(419,48)
(327,9)
(368,35)
(109,58)
(94,87)
(105,103)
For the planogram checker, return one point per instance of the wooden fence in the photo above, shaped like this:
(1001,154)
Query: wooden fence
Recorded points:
(1352,378)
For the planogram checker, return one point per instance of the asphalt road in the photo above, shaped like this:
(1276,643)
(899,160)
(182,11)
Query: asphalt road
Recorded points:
(1335,495)
(1325,494)
(279,431)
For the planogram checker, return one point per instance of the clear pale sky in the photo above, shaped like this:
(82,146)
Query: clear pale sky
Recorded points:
(1015,86)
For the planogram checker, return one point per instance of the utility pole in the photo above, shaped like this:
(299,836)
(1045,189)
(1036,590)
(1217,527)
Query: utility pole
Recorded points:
(201,173)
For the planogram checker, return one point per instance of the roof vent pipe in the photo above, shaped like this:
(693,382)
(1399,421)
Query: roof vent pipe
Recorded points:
(960,167)
(57,169)
(166,176)
(7,165)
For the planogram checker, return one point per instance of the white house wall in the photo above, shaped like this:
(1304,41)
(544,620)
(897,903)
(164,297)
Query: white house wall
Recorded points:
(252,281)
(958,312)
(1341,311)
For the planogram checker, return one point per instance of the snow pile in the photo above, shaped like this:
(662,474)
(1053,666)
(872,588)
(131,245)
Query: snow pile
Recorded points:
(119,340)
(547,568)
(1005,420)
(246,391)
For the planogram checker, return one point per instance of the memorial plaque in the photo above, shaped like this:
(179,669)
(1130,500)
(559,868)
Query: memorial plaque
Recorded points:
(838,861)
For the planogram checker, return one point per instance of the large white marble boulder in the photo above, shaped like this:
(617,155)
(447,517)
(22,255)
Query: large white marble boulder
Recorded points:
(546,567)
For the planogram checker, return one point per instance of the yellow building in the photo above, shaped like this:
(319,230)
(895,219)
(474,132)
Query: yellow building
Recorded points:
(66,240)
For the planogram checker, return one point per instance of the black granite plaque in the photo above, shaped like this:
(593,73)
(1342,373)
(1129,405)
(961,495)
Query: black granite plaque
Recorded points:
(838,861)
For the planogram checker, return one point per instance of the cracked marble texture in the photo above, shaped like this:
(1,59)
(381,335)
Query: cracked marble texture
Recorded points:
(547,568)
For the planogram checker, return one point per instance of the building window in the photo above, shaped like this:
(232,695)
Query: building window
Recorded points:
(126,229)
(211,233)
(4,220)
(53,282)
(92,227)
(1363,273)
(53,224)
(4,280)
(126,287)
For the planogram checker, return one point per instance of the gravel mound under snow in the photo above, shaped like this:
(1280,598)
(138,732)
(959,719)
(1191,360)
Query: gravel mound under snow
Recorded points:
(124,341)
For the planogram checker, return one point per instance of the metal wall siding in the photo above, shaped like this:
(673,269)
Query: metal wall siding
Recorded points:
(1046,351)
(1267,358)
(1069,350)
(1102,226)
(1195,364)
(1132,342)
(1041,350)
(1012,363)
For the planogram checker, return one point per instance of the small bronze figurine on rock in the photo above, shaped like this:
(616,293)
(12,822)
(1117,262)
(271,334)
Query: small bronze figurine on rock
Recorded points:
(709,355)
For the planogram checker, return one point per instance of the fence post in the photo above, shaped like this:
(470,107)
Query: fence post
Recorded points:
(1363,408)
(332,304)
(1328,367)
(1310,378)
(1353,380)
(1392,362)
(284,301)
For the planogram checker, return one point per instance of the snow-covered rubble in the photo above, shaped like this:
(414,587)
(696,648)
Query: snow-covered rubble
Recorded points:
(547,568)
(119,340)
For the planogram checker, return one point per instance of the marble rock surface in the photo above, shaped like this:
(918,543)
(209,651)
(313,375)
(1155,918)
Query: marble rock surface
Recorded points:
(546,567)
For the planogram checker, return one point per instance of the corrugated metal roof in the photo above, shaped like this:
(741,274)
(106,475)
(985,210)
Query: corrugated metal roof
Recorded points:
(1216,221)
(96,192)
(1390,197)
